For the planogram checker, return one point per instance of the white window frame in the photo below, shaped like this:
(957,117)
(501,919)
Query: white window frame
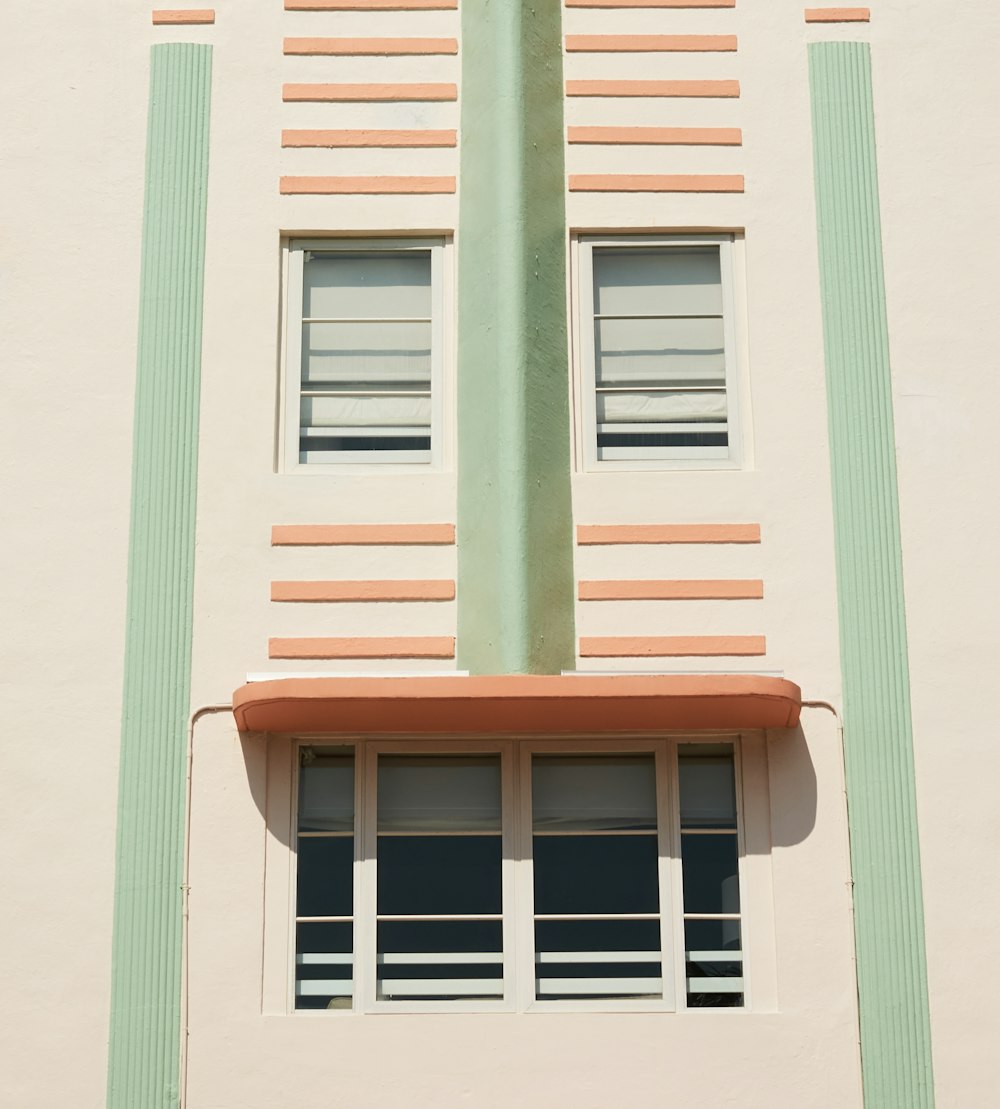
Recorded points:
(585,383)
(289,424)
(516,872)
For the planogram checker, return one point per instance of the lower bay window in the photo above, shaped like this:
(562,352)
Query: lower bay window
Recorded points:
(518,875)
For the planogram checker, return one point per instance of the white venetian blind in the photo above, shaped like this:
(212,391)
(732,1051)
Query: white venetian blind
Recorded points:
(659,350)
(366,355)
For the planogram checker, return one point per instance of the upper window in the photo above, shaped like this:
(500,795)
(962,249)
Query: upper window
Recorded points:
(363,371)
(658,351)
(503,876)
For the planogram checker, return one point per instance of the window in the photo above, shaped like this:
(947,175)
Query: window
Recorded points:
(658,349)
(363,369)
(529,875)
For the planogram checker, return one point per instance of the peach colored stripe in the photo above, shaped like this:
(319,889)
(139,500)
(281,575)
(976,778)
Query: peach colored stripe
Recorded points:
(369,92)
(637,44)
(362,535)
(589,535)
(730,589)
(369,5)
(837,15)
(183,15)
(653,88)
(369,138)
(639,646)
(365,186)
(650,3)
(423,590)
(402,646)
(658,136)
(381,47)
(656,183)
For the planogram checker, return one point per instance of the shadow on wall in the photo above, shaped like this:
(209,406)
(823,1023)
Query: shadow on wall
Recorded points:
(793,788)
(791,773)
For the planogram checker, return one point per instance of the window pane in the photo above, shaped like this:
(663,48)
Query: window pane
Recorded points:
(366,412)
(373,284)
(597,959)
(657,281)
(325,876)
(323,966)
(711,878)
(438,793)
(708,789)
(379,354)
(713,963)
(667,352)
(440,961)
(694,406)
(326,792)
(435,875)
(596,874)
(602,793)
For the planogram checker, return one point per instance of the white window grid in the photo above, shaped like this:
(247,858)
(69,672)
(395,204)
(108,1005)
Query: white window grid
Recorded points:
(441,320)
(731,456)
(518,918)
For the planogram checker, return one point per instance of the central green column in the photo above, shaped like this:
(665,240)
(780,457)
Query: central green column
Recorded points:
(515,540)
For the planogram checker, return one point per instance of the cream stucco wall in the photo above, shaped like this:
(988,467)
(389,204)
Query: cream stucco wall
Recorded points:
(71,204)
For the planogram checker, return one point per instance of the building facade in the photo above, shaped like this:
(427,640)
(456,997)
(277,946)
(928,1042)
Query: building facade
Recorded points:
(503,617)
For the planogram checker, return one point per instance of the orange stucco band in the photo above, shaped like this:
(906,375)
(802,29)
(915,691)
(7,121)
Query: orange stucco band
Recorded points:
(368,186)
(657,136)
(377,47)
(653,88)
(837,15)
(638,44)
(656,183)
(421,590)
(174,16)
(688,590)
(368,646)
(650,3)
(369,5)
(362,535)
(374,93)
(518,704)
(669,646)
(589,535)
(368,138)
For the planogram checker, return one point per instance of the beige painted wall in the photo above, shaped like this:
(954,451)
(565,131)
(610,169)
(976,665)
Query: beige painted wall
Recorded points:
(69,248)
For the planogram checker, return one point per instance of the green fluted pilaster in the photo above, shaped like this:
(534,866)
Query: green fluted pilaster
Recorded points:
(889,920)
(515,550)
(144,1047)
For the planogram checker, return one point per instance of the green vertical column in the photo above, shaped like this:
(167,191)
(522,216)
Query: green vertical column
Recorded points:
(889,922)
(144,1048)
(515,541)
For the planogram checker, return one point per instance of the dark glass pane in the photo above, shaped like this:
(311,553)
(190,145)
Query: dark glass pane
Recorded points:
(438,793)
(325,876)
(465,957)
(707,789)
(323,969)
(598,793)
(632,948)
(711,882)
(596,874)
(420,875)
(326,791)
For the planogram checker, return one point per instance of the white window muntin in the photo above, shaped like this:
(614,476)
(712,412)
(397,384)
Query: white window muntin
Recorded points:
(519,971)
(291,424)
(651,457)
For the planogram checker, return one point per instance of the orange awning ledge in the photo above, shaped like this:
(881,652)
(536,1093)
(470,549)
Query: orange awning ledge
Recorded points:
(512,704)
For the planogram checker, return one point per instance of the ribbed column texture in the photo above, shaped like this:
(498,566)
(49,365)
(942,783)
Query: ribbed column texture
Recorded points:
(515,539)
(146,960)
(889,921)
